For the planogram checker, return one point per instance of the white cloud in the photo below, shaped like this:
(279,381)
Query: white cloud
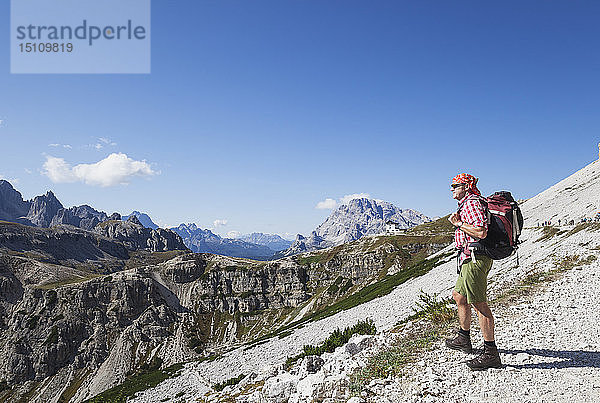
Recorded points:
(219,223)
(233,234)
(60,145)
(28,171)
(116,169)
(326,204)
(106,141)
(330,204)
(346,199)
(102,142)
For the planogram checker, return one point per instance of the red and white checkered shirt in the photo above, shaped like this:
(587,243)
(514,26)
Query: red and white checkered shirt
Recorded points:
(472,212)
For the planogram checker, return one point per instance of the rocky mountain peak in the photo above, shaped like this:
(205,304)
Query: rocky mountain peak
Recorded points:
(353,220)
(43,209)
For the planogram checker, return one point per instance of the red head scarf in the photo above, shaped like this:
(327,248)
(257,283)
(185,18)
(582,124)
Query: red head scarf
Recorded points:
(469,180)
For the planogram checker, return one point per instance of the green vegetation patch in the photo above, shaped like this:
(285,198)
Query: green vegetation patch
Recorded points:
(70,281)
(232,381)
(71,390)
(336,339)
(135,384)
(52,336)
(439,226)
(429,308)
(549,232)
(592,226)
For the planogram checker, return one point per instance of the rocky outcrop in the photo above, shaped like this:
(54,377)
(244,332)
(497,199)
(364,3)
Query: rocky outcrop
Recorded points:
(80,216)
(304,244)
(136,237)
(12,205)
(115,216)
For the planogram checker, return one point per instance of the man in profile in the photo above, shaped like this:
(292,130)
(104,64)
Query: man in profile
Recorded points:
(471,287)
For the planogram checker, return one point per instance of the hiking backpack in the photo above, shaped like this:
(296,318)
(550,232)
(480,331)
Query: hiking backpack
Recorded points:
(505,223)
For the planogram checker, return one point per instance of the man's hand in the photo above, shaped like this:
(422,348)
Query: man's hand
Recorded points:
(474,231)
(454,219)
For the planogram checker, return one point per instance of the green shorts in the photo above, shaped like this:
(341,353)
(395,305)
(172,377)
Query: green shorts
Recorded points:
(472,280)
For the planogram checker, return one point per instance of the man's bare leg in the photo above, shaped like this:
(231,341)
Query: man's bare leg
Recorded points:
(462,341)
(464,310)
(486,320)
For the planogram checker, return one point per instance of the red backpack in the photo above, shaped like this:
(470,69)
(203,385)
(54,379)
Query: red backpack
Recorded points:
(505,223)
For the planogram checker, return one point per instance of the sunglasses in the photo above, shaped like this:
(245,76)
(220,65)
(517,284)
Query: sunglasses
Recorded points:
(456,185)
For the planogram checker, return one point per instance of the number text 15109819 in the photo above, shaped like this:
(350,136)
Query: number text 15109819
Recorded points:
(46,47)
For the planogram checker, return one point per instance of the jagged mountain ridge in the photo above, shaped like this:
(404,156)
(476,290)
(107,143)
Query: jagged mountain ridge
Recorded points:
(45,210)
(352,221)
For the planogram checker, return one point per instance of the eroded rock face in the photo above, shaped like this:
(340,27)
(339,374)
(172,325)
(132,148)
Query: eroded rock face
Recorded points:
(135,236)
(43,209)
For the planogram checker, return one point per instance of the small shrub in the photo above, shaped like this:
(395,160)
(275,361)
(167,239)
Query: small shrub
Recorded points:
(57,318)
(336,339)
(232,381)
(428,307)
(346,286)
(107,279)
(4,386)
(52,337)
(32,322)
(51,298)
(333,288)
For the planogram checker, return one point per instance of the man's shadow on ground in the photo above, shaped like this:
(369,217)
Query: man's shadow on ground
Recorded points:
(568,359)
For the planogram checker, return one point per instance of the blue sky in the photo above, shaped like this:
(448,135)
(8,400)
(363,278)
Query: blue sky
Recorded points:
(254,112)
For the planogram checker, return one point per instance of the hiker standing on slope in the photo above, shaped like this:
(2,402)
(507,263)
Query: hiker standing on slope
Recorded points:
(471,287)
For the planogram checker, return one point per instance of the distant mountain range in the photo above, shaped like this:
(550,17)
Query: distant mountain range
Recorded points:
(256,246)
(348,222)
(352,221)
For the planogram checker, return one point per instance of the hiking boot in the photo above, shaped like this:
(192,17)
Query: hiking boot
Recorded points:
(489,358)
(461,343)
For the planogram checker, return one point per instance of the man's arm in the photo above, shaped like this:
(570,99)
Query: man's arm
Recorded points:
(473,230)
